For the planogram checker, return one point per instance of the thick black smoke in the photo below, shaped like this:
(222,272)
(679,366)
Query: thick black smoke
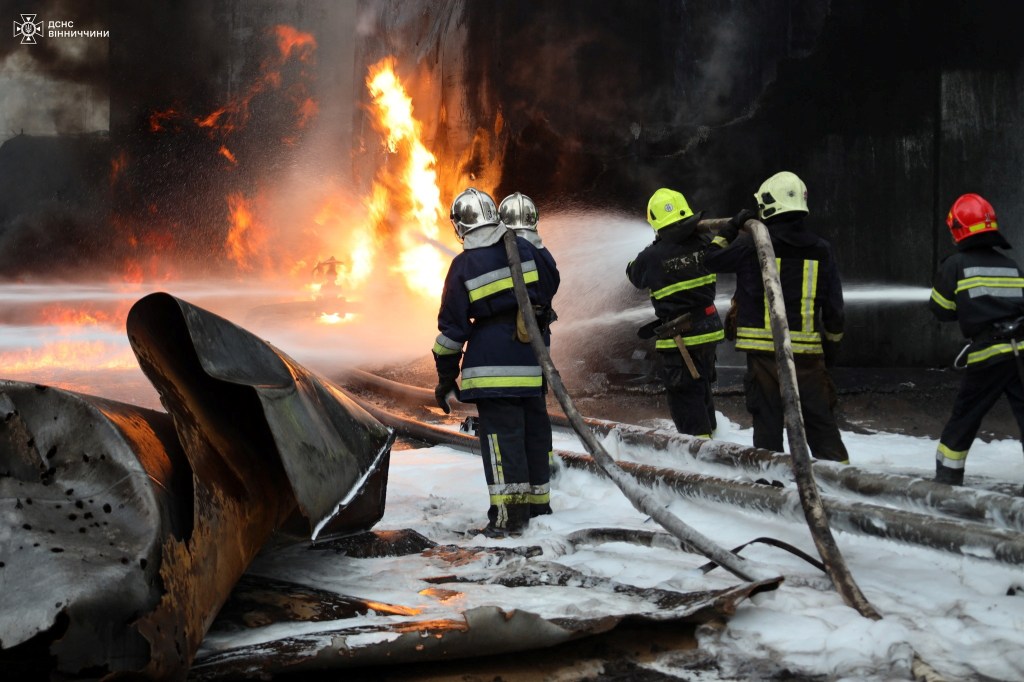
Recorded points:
(201,104)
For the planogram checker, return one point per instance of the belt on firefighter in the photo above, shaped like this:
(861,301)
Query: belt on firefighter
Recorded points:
(696,315)
(1008,329)
(544,314)
(507,316)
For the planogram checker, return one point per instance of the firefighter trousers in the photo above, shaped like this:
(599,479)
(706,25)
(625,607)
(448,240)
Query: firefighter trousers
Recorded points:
(689,400)
(817,402)
(515,441)
(979,390)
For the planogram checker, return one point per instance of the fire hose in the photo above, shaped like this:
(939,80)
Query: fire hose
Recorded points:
(810,499)
(964,538)
(640,497)
(966,503)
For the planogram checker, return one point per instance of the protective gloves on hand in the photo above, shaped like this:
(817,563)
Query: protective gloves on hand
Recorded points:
(730,231)
(445,389)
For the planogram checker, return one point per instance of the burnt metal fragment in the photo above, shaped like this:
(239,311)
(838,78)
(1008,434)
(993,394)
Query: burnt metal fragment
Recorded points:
(83,531)
(124,529)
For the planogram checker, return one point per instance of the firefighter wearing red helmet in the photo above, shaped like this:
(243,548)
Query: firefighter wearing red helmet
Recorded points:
(982,288)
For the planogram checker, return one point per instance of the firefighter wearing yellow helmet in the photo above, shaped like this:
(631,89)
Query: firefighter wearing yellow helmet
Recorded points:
(982,288)
(682,291)
(813,296)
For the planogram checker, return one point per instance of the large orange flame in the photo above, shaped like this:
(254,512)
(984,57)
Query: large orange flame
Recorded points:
(406,200)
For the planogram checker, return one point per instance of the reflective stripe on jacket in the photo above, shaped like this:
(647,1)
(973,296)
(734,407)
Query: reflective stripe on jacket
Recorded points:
(812,291)
(672,268)
(978,286)
(477,313)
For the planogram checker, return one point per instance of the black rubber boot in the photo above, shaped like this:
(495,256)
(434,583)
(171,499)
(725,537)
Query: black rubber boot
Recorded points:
(948,475)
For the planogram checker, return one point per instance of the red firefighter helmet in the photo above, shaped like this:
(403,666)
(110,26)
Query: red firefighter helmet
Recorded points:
(971,215)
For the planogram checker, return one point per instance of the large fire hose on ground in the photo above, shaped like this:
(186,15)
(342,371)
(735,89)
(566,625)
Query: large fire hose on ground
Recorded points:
(814,510)
(996,509)
(641,497)
(958,537)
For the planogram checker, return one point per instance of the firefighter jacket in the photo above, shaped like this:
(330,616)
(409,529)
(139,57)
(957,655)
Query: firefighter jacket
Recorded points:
(672,268)
(978,286)
(811,288)
(478,310)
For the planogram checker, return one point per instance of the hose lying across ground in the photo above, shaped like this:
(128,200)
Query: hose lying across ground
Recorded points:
(981,506)
(958,537)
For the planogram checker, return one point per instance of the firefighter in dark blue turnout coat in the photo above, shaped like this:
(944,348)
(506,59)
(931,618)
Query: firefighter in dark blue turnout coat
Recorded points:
(982,289)
(813,296)
(672,269)
(500,372)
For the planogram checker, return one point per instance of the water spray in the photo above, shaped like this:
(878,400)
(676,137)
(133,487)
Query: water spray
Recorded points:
(639,496)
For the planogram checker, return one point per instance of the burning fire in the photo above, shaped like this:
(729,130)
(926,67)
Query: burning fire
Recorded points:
(393,234)
(406,199)
(247,237)
(60,316)
(68,355)
(335,318)
(400,232)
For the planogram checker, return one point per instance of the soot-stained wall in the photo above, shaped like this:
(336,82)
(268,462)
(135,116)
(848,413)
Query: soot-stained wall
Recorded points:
(889,110)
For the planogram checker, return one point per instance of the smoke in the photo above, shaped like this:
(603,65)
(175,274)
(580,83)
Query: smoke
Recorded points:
(202,100)
(54,85)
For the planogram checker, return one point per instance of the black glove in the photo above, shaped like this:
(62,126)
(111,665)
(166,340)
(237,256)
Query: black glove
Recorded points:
(742,217)
(647,331)
(441,392)
(730,231)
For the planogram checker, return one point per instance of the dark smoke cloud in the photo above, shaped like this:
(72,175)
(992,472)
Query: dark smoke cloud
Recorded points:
(89,165)
(57,85)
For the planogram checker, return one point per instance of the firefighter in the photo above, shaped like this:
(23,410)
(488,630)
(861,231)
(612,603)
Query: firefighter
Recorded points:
(500,372)
(813,297)
(672,269)
(518,212)
(982,289)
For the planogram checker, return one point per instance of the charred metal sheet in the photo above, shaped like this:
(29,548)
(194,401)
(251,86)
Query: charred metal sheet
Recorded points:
(90,492)
(219,379)
(242,646)
(249,419)
(125,529)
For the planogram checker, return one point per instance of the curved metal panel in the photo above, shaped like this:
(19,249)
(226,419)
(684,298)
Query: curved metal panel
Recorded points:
(228,382)
(90,489)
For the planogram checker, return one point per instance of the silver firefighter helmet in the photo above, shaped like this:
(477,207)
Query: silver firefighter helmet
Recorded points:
(518,212)
(471,210)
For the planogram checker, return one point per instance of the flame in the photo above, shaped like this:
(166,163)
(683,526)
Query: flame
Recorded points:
(117,166)
(69,355)
(291,40)
(67,349)
(291,44)
(411,189)
(307,111)
(335,318)
(246,236)
(61,316)
(157,119)
(226,153)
